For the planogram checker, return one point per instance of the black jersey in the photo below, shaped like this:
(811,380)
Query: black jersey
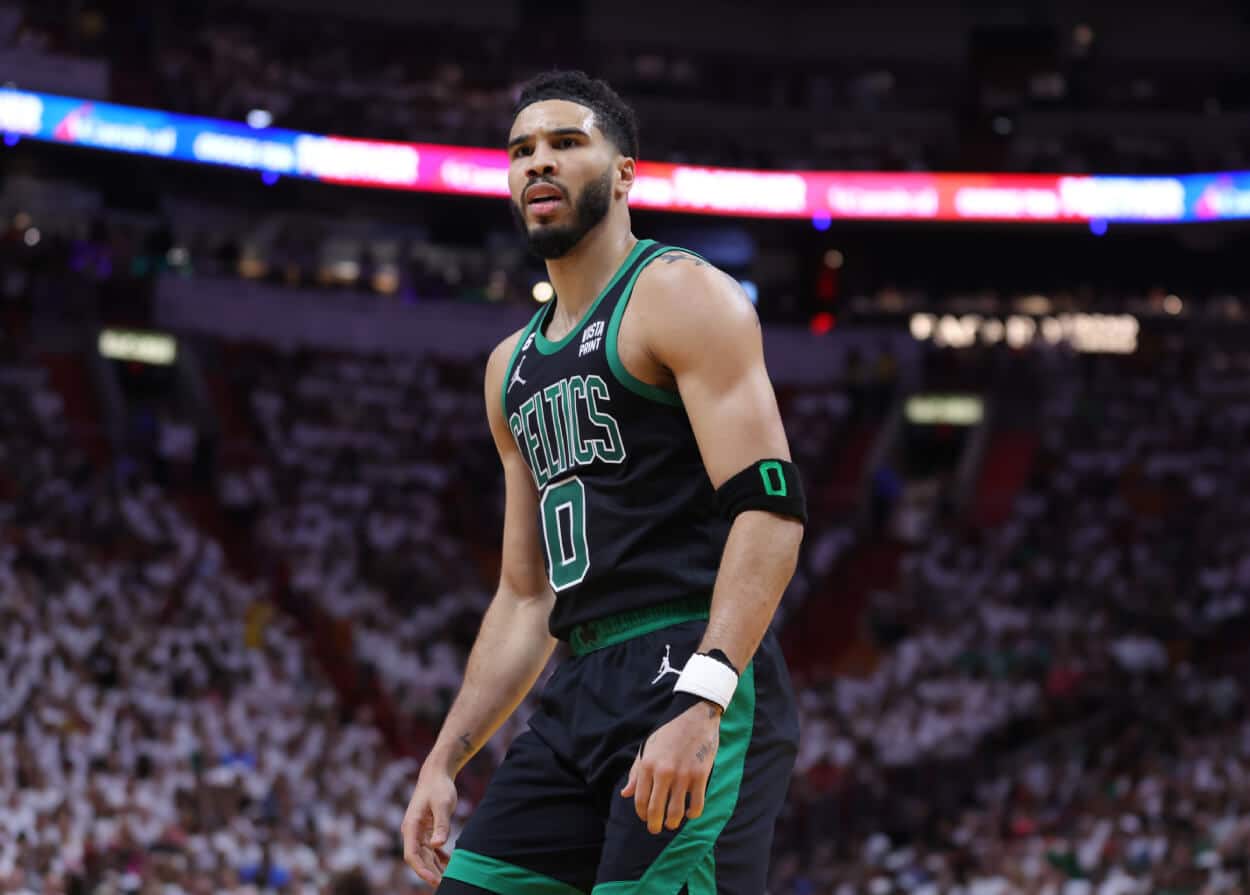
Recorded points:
(629,517)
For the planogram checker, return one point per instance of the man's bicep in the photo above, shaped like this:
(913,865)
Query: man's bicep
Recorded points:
(716,353)
(735,419)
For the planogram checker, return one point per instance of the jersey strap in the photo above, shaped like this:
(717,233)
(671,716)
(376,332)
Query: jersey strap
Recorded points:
(667,396)
(520,345)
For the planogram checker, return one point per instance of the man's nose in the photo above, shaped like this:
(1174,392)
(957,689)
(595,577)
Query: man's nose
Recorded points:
(542,163)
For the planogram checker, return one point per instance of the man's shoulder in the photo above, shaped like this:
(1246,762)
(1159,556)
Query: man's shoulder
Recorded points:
(500,357)
(502,352)
(678,287)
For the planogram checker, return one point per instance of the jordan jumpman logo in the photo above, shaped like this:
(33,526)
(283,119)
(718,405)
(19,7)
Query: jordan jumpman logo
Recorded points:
(665,666)
(516,375)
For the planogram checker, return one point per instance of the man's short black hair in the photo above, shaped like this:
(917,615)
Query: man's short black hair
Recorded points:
(612,114)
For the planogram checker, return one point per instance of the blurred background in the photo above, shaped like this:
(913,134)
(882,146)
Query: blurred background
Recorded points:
(252,258)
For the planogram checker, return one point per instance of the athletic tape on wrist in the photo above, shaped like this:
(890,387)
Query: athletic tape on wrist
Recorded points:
(708,679)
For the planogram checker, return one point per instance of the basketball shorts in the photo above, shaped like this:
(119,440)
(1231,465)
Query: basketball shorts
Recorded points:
(553,822)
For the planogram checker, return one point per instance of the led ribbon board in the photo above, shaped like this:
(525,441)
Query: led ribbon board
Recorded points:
(818,195)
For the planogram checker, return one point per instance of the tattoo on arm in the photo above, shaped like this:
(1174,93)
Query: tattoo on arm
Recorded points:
(467,743)
(671,257)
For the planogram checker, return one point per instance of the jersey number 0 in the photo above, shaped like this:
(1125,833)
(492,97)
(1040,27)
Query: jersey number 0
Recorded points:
(564,531)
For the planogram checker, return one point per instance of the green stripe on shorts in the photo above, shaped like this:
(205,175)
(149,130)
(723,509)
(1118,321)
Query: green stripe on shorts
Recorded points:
(690,857)
(502,877)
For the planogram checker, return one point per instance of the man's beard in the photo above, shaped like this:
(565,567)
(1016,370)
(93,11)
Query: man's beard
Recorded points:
(555,240)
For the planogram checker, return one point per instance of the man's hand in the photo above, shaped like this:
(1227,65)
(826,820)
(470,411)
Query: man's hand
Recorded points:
(675,762)
(426,824)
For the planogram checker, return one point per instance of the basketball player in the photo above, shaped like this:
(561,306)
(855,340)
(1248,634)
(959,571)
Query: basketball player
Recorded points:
(652,521)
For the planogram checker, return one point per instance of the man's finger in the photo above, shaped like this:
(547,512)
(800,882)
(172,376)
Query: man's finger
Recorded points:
(417,863)
(658,801)
(411,846)
(642,792)
(697,793)
(429,865)
(437,860)
(631,782)
(676,805)
(440,822)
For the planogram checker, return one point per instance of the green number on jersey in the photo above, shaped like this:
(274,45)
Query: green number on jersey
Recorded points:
(564,531)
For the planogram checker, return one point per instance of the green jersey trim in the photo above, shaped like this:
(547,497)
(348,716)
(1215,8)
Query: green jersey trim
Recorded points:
(507,372)
(623,376)
(685,860)
(499,876)
(545,345)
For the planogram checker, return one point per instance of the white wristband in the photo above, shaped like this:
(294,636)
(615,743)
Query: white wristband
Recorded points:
(708,679)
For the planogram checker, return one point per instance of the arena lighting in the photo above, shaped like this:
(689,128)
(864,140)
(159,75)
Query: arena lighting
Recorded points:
(542,292)
(1086,333)
(1173,304)
(817,196)
(834,259)
(31,237)
(157,349)
(1033,304)
(259,118)
(822,323)
(345,270)
(944,410)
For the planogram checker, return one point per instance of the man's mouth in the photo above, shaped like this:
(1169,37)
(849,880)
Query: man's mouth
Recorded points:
(543,197)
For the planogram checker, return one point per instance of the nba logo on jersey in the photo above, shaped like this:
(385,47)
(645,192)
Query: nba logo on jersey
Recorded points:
(591,337)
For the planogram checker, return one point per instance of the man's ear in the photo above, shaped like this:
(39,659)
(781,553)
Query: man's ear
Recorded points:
(625,172)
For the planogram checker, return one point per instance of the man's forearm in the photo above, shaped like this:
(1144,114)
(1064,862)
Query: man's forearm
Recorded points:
(511,649)
(758,562)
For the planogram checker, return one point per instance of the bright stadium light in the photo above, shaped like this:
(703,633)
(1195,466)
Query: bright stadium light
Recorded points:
(259,118)
(543,291)
(142,347)
(947,410)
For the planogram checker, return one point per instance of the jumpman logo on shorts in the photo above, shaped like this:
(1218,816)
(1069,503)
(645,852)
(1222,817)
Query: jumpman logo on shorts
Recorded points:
(516,375)
(665,667)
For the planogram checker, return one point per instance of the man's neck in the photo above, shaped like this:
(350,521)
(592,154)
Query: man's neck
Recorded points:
(581,275)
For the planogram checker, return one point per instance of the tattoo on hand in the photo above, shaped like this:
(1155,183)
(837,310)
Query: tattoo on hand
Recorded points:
(703,752)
